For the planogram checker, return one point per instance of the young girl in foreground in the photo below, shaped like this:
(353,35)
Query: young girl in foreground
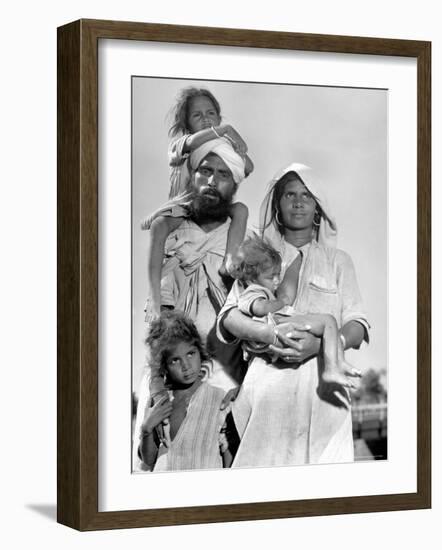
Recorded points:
(197,426)
(258,278)
(197,120)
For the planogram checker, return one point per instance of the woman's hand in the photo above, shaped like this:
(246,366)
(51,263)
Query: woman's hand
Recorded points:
(153,416)
(298,343)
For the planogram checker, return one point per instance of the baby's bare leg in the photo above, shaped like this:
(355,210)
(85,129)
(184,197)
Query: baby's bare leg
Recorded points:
(336,369)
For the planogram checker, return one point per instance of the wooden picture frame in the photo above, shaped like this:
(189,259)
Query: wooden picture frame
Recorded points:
(77,225)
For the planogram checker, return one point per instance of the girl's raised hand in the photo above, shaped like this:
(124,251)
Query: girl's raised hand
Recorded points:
(153,416)
(237,141)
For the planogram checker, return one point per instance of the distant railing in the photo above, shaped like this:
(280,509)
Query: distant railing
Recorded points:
(370,421)
(370,411)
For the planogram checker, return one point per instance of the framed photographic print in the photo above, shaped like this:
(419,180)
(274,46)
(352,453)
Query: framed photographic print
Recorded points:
(232,206)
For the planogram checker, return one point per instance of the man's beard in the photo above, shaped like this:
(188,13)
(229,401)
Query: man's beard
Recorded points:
(209,206)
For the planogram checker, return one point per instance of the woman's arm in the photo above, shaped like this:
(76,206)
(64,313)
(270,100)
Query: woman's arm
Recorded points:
(352,335)
(290,341)
(354,321)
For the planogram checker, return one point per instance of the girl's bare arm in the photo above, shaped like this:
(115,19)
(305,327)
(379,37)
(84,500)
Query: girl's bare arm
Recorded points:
(245,328)
(261,307)
(153,417)
(239,214)
(161,228)
(193,141)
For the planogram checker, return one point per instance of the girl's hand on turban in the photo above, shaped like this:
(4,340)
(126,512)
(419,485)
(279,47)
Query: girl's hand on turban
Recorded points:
(235,139)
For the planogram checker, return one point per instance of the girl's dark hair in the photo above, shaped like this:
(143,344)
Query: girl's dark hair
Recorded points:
(171,328)
(181,110)
(256,256)
(278,191)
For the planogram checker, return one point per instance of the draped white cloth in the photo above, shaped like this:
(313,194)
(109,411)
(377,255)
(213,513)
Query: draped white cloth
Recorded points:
(283,414)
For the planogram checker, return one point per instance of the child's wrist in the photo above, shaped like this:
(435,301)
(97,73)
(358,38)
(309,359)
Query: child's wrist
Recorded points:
(145,431)
(216,132)
(343,340)
(220,129)
(272,336)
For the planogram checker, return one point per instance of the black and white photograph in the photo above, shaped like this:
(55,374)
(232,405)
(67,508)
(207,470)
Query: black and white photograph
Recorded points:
(259,274)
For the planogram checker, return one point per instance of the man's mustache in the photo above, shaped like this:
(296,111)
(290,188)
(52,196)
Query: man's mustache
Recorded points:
(210,191)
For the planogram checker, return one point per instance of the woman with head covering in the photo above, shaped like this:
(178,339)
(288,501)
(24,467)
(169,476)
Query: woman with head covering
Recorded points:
(284,413)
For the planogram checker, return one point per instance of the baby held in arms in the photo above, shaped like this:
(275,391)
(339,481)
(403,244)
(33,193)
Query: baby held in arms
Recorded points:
(259,292)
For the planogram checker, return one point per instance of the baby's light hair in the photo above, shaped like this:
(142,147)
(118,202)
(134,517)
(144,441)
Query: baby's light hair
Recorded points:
(166,332)
(180,111)
(256,256)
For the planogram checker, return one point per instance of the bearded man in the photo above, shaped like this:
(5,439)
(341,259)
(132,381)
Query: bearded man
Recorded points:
(193,255)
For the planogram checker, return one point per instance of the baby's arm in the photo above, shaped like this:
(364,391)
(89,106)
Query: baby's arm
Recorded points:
(239,214)
(161,228)
(262,306)
(289,285)
(153,417)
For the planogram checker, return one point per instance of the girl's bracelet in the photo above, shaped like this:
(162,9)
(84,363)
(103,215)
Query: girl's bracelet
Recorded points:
(144,433)
(215,132)
(344,343)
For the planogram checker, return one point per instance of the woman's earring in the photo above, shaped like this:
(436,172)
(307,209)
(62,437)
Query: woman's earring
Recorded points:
(278,221)
(317,219)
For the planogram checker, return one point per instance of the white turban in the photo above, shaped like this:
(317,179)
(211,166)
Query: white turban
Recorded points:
(225,151)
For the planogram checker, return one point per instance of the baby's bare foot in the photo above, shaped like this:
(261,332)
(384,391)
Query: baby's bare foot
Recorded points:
(336,377)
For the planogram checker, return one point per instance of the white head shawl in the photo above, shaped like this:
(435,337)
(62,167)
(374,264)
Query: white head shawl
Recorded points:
(225,151)
(327,227)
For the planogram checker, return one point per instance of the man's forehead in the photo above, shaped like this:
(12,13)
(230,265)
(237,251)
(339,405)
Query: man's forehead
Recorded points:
(213,160)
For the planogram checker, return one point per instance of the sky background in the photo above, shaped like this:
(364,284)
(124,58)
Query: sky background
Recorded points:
(340,132)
